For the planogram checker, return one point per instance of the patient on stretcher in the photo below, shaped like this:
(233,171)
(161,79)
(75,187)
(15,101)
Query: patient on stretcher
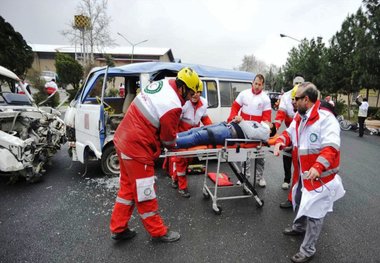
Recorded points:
(216,134)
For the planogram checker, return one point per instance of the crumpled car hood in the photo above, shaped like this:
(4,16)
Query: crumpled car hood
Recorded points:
(29,137)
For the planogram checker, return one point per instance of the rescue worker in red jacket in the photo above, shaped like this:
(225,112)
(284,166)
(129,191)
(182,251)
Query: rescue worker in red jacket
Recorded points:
(287,153)
(51,87)
(253,105)
(151,121)
(193,113)
(285,113)
(315,136)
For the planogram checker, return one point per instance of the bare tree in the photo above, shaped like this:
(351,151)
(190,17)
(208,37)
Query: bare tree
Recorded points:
(271,77)
(97,35)
(251,64)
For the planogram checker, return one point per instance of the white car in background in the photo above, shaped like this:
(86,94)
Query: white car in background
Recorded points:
(48,76)
(29,135)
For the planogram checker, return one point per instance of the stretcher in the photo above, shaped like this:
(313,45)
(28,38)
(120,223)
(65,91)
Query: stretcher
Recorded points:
(233,152)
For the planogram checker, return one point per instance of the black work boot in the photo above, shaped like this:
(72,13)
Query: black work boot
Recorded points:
(171,236)
(289,231)
(286,204)
(125,235)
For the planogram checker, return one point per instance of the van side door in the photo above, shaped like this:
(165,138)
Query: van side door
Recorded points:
(89,122)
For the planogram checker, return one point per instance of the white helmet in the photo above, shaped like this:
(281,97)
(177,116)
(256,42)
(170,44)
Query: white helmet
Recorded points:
(298,80)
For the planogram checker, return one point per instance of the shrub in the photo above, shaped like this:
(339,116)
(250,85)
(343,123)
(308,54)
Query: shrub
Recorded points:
(374,113)
(112,92)
(36,82)
(72,93)
(340,107)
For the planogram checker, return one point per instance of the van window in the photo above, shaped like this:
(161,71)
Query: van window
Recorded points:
(115,87)
(225,93)
(237,87)
(212,93)
(96,92)
(230,90)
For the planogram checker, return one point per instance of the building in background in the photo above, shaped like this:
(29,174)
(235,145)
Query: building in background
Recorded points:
(44,55)
(373,97)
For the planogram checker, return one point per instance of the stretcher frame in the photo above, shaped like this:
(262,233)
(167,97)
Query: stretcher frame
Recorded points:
(238,153)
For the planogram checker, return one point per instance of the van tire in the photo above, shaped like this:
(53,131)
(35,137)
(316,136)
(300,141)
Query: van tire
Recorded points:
(110,161)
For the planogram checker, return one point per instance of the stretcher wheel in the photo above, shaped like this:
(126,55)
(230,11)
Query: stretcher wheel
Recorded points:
(217,211)
(258,205)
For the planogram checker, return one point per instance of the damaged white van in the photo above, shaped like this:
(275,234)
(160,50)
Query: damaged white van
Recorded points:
(100,105)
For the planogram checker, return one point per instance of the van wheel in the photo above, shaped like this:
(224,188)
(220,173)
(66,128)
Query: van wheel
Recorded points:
(110,161)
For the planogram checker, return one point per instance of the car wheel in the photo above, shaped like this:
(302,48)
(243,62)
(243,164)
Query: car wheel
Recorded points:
(110,161)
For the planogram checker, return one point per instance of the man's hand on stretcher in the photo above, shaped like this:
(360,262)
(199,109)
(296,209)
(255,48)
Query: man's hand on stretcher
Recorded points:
(237,119)
(277,148)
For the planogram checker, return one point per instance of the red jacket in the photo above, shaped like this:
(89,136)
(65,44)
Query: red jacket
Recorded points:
(151,119)
(192,115)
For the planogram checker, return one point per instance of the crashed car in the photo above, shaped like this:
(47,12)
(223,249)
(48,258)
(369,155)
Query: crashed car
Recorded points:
(29,135)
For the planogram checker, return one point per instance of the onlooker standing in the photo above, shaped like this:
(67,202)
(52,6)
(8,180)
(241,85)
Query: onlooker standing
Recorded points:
(253,105)
(315,135)
(362,115)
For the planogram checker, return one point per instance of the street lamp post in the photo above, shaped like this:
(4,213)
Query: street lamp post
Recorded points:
(282,35)
(132,44)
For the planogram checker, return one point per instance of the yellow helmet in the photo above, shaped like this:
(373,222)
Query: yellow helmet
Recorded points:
(294,90)
(190,78)
(200,89)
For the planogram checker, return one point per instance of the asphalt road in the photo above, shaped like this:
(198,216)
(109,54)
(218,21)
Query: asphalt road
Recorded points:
(65,218)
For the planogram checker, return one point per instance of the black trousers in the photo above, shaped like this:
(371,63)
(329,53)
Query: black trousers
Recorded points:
(287,161)
(361,125)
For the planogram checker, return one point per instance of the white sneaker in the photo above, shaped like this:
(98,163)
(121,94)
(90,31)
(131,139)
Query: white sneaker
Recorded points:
(262,182)
(285,186)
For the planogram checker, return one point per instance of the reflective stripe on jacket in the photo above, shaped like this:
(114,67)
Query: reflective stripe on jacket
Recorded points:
(151,119)
(316,144)
(254,107)
(285,110)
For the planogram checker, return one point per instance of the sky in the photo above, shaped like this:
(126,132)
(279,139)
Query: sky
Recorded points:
(210,32)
